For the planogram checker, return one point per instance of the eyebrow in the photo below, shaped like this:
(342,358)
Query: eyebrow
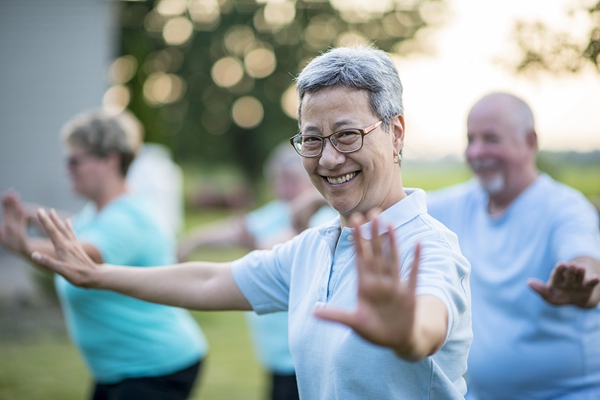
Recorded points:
(336,126)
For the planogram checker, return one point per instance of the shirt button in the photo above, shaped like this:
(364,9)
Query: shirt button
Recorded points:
(334,268)
(350,237)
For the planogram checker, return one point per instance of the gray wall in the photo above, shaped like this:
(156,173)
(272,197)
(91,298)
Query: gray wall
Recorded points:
(53,57)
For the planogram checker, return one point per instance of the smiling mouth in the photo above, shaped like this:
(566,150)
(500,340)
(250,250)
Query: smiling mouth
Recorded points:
(337,180)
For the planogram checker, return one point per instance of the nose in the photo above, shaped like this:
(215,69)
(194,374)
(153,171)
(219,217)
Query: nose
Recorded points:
(475,149)
(330,157)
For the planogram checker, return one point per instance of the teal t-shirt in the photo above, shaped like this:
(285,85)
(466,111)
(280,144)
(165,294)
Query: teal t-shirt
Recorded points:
(121,337)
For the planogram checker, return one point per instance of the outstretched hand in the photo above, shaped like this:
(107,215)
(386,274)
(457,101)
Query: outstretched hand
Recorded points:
(13,231)
(567,285)
(385,313)
(72,261)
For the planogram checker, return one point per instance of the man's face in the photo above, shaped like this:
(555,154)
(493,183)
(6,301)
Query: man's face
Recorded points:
(359,181)
(496,151)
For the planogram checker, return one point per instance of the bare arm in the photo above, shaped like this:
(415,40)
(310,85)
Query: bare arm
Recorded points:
(388,312)
(202,286)
(574,283)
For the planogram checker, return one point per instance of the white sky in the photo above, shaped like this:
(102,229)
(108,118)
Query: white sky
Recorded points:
(440,88)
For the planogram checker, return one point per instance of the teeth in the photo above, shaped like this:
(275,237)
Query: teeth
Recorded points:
(341,179)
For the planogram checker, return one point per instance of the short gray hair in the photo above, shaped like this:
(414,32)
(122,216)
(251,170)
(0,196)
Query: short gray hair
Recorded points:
(359,68)
(101,134)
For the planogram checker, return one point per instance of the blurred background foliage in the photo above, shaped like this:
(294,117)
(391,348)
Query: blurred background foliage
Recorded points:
(213,79)
(549,49)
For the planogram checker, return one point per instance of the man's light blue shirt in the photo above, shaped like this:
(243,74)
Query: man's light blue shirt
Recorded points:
(523,347)
(318,268)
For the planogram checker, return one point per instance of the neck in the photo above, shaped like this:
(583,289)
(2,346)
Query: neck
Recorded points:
(498,203)
(109,192)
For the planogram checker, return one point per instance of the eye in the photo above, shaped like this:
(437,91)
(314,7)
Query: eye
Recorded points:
(348,136)
(310,139)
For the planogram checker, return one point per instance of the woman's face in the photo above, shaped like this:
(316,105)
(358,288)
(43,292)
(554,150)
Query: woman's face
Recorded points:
(86,171)
(359,181)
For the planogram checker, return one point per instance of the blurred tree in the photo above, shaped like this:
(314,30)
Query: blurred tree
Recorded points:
(546,49)
(213,79)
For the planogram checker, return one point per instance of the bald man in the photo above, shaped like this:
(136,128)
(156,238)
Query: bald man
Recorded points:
(534,247)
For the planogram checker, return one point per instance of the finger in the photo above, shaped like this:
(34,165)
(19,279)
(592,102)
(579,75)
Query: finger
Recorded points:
(373,213)
(377,264)
(70,230)
(414,270)
(539,287)
(578,275)
(558,275)
(570,276)
(48,225)
(59,223)
(395,268)
(331,314)
(359,247)
(47,261)
(591,284)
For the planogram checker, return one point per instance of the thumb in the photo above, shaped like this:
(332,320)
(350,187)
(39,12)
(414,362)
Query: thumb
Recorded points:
(334,315)
(537,286)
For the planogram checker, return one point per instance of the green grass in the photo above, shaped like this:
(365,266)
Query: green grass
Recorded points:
(40,362)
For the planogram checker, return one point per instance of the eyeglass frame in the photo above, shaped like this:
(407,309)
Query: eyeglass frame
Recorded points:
(363,132)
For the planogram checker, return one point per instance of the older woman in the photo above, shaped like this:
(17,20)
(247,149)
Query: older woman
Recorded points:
(134,349)
(378,299)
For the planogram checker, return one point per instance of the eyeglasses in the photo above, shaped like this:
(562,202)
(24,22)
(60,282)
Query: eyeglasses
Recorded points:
(347,140)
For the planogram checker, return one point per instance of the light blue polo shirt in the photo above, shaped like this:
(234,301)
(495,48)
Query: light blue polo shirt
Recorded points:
(524,348)
(317,268)
(269,332)
(121,337)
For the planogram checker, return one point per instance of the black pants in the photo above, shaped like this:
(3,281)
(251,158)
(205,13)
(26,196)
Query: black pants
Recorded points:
(176,386)
(284,387)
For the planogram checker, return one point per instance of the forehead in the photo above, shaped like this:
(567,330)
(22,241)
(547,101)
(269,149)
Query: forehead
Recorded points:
(76,149)
(335,108)
(491,120)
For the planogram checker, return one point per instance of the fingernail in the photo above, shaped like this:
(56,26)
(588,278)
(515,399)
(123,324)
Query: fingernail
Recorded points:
(36,256)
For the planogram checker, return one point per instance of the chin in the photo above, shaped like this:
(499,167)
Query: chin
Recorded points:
(493,185)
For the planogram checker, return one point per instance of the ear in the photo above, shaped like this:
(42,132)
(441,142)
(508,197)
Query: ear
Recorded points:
(397,129)
(532,140)
(114,159)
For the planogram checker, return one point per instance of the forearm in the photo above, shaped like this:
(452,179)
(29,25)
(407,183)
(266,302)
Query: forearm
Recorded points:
(429,329)
(193,285)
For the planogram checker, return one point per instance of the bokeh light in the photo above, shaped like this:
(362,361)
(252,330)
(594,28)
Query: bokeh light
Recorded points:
(160,88)
(279,14)
(205,14)
(122,69)
(227,72)
(239,39)
(247,112)
(177,31)
(289,102)
(116,99)
(171,8)
(260,63)
(351,38)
